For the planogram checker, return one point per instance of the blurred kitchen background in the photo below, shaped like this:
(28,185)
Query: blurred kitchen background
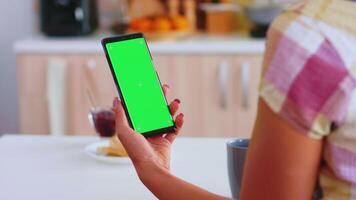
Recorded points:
(52,67)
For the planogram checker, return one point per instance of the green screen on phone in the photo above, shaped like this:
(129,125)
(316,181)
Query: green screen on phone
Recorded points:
(139,84)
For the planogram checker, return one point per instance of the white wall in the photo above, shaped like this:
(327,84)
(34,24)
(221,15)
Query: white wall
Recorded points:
(17,19)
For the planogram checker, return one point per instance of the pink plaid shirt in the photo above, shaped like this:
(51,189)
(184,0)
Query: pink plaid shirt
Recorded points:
(309,79)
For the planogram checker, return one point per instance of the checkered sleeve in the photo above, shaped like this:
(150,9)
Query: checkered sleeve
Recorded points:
(304,79)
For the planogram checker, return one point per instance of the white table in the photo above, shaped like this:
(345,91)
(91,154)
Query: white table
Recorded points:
(44,167)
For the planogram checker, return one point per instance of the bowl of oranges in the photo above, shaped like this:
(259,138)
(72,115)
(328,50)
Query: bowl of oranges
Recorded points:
(161,27)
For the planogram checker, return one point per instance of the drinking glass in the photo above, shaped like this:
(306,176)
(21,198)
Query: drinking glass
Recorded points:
(103,120)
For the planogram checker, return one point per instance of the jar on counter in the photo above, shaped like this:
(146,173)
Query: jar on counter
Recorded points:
(220,18)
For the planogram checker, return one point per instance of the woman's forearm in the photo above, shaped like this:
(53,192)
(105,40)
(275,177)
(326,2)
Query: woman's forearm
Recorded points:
(164,185)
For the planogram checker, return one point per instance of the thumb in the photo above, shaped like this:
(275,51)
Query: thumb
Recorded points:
(129,139)
(121,120)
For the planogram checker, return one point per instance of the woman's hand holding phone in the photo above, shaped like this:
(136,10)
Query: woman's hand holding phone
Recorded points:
(147,154)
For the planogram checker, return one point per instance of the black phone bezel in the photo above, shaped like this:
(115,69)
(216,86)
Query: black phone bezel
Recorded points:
(119,38)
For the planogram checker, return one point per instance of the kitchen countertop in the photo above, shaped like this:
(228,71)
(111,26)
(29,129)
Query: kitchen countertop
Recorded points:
(192,45)
(47,167)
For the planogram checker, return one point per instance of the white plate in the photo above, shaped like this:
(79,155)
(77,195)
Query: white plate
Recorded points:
(90,150)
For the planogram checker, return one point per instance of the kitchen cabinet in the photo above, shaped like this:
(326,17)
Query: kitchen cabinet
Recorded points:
(31,76)
(218,92)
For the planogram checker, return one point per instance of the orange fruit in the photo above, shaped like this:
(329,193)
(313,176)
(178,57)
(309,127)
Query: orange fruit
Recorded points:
(180,23)
(162,24)
(141,24)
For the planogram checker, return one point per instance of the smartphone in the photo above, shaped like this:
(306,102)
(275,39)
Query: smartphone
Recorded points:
(138,84)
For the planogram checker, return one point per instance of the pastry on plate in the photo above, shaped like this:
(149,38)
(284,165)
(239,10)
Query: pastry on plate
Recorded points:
(114,148)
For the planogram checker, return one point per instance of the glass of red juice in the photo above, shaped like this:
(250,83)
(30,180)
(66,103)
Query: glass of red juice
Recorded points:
(103,120)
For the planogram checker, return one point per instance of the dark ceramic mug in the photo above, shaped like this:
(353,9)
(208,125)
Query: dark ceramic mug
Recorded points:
(236,154)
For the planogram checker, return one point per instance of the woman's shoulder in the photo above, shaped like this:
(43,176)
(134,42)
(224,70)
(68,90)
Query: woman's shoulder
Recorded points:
(320,24)
(339,15)
(310,66)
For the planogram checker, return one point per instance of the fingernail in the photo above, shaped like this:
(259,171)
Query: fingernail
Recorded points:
(116,102)
(177,100)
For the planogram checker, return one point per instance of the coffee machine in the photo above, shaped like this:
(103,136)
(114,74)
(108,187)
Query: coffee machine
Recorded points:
(68,17)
